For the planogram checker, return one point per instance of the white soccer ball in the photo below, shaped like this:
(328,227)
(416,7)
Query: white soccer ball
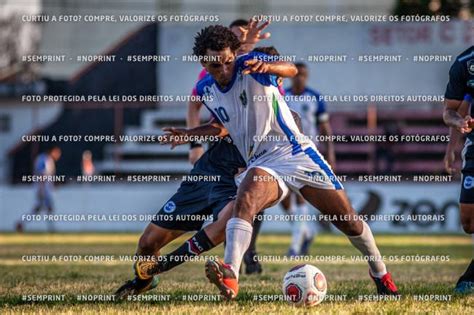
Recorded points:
(304,285)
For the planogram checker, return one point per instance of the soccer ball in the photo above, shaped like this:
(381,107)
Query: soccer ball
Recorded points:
(304,285)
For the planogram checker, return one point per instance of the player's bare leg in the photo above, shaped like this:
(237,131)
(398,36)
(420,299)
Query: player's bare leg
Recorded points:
(151,241)
(204,240)
(309,229)
(465,284)
(154,238)
(302,232)
(257,191)
(150,263)
(335,203)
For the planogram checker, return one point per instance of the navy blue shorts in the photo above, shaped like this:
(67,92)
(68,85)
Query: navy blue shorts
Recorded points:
(193,204)
(467,181)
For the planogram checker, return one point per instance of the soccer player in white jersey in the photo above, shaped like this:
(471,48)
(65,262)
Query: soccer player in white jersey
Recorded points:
(242,94)
(315,120)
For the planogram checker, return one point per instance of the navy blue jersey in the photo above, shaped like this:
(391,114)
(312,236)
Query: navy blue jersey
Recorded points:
(222,158)
(461,76)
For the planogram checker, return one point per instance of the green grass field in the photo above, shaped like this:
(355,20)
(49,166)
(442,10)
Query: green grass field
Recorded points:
(347,279)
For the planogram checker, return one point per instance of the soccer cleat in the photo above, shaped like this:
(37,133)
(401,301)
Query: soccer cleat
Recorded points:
(291,253)
(385,285)
(464,287)
(252,265)
(145,269)
(222,276)
(135,287)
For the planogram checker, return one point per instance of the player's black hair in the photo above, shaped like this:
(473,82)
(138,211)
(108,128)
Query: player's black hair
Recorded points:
(269,50)
(215,37)
(239,22)
(300,64)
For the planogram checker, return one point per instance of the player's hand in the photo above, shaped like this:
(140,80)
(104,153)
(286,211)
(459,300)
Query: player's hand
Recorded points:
(252,34)
(195,154)
(255,66)
(449,160)
(465,125)
(174,136)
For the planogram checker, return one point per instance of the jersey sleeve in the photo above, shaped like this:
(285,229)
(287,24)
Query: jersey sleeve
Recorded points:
(202,74)
(201,88)
(263,78)
(456,89)
(468,98)
(321,112)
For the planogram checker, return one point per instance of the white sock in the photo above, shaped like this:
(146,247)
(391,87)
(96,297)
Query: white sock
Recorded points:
(238,237)
(299,229)
(365,243)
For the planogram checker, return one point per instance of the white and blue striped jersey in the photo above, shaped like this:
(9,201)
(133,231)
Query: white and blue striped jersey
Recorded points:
(254,112)
(311,107)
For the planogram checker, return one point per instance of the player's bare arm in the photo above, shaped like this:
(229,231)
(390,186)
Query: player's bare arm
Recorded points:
(193,120)
(454,141)
(279,68)
(453,118)
(179,136)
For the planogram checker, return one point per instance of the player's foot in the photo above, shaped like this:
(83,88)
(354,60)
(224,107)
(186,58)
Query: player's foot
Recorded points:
(291,253)
(135,287)
(385,285)
(465,284)
(222,276)
(252,265)
(306,245)
(145,269)
(464,287)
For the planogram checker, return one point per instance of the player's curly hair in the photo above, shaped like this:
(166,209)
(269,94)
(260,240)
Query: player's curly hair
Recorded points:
(214,37)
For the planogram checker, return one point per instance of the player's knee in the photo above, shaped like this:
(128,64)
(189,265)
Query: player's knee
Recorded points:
(467,220)
(468,225)
(245,205)
(146,244)
(351,227)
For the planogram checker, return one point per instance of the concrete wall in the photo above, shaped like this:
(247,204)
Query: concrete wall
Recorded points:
(352,39)
(110,202)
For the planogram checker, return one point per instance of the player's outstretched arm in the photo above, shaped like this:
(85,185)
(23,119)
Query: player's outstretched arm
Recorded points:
(251,35)
(279,68)
(179,136)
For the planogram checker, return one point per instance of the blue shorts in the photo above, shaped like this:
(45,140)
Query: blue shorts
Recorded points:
(193,204)
(467,180)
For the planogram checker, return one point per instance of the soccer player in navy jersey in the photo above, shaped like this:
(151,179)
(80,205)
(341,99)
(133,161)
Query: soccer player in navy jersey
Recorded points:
(458,117)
